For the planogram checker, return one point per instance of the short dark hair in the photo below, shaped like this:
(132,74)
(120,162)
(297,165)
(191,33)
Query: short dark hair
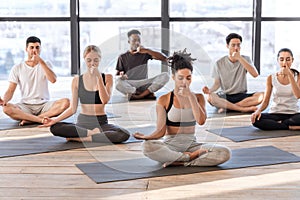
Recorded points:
(33,39)
(181,60)
(285,50)
(133,31)
(232,36)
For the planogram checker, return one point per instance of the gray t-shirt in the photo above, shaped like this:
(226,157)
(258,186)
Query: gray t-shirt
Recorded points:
(232,76)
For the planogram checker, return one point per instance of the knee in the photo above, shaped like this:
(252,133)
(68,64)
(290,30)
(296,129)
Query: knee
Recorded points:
(121,136)
(149,146)
(165,76)
(8,110)
(221,154)
(119,83)
(226,153)
(65,103)
(53,129)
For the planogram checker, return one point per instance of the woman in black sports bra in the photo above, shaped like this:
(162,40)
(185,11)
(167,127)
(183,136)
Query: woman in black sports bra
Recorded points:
(93,90)
(177,114)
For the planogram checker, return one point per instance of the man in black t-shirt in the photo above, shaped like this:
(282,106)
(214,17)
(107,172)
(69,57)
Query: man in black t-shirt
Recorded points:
(132,70)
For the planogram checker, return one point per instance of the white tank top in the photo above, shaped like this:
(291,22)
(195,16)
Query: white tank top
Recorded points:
(284,101)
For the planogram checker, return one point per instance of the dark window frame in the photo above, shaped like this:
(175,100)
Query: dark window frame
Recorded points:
(165,20)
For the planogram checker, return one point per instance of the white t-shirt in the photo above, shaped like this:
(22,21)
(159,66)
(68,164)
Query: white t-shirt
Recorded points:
(32,82)
(232,76)
(284,100)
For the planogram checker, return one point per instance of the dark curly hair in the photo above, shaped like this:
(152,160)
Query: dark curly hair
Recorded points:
(181,60)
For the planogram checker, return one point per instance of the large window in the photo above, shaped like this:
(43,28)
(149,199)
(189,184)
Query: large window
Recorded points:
(35,8)
(120,8)
(212,41)
(55,39)
(279,22)
(67,26)
(211,8)
(112,39)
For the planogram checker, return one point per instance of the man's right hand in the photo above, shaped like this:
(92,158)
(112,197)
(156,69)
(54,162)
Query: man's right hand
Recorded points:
(205,90)
(123,76)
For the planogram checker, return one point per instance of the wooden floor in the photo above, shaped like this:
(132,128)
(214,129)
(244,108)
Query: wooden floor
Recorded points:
(55,176)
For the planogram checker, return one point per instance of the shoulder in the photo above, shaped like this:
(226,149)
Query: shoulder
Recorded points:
(124,54)
(17,67)
(108,76)
(164,100)
(270,78)
(75,80)
(221,60)
(200,97)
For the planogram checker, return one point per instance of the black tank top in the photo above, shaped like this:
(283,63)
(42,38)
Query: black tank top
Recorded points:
(88,97)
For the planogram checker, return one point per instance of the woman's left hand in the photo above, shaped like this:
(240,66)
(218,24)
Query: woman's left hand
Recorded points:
(139,136)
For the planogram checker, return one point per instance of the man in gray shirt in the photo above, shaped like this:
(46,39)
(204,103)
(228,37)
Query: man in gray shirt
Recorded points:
(132,70)
(229,74)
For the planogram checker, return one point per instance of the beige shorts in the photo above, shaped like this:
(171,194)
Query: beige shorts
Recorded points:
(35,109)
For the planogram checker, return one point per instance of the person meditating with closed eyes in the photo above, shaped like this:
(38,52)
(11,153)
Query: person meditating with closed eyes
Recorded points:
(283,91)
(177,114)
(93,90)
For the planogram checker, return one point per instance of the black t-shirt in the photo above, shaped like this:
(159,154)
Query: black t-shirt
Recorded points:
(134,65)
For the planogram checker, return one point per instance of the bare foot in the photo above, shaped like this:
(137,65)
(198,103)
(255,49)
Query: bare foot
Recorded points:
(294,128)
(197,153)
(83,139)
(25,122)
(93,132)
(193,156)
(221,110)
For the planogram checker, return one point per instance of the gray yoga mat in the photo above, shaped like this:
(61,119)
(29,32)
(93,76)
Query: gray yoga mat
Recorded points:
(245,133)
(37,145)
(122,170)
(8,123)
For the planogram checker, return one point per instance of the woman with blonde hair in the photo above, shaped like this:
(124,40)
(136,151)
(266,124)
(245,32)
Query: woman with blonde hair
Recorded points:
(93,90)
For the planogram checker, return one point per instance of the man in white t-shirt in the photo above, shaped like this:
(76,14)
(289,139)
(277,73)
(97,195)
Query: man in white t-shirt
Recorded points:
(32,76)
(229,74)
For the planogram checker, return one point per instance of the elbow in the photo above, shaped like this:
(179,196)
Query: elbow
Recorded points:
(53,80)
(255,75)
(105,102)
(202,120)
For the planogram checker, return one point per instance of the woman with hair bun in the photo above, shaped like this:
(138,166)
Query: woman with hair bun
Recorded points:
(177,114)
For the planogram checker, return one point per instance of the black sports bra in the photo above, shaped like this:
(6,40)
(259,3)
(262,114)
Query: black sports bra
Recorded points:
(180,111)
(88,97)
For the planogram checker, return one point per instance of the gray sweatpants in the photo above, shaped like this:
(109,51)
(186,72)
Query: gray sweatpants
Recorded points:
(152,84)
(173,146)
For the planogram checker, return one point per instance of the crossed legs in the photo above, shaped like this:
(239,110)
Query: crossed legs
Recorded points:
(16,113)
(246,105)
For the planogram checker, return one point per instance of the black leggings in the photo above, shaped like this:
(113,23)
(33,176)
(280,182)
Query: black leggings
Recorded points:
(108,132)
(276,121)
